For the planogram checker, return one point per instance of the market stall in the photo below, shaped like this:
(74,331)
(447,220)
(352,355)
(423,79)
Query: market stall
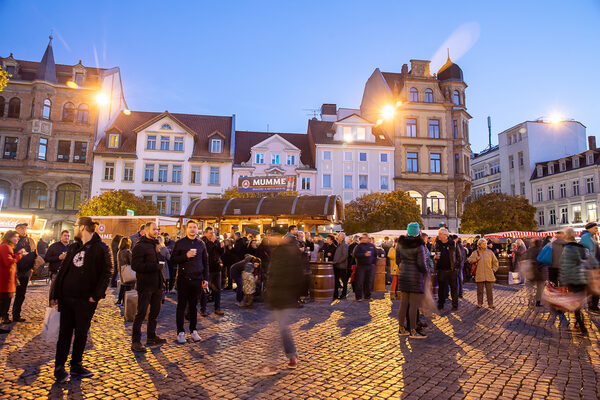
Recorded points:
(36,226)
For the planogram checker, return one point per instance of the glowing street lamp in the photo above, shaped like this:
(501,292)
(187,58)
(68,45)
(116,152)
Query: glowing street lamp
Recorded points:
(388,112)
(102,99)
(72,85)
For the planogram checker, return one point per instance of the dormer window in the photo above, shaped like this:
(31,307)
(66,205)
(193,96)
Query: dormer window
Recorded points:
(216,145)
(590,158)
(361,133)
(79,78)
(563,167)
(575,162)
(166,127)
(550,169)
(540,170)
(113,140)
(347,133)
(260,158)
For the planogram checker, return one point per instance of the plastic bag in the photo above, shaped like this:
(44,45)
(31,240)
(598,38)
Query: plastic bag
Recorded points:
(51,325)
(562,299)
(428,306)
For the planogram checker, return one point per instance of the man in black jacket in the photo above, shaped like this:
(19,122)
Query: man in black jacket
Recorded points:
(57,252)
(215,250)
(192,278)
(365,255)
(80,283)
(24,268)
(149,286)
(446,265)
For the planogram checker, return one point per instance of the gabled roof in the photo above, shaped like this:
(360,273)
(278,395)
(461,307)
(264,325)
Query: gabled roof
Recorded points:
(245,140)
(354,115)
(318,134)
(393,80)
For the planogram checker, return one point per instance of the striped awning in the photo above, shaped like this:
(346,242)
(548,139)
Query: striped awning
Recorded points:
(519,234)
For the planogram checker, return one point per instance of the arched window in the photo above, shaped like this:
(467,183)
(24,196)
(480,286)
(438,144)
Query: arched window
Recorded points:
(47,108)
(418,198)
(4,193)
(436,203)
(68,112)
(2,104)
(456,97)
(34,195)
(428,96)
(414,95)
(82,114)
(14,107)
(68,197)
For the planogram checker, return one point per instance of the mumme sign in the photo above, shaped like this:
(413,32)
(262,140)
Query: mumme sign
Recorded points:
(267,184)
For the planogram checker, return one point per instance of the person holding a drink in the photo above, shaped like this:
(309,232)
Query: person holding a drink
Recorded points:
(57,252)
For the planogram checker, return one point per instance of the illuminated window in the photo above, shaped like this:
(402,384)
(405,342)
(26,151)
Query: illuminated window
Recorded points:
(46,109)
(113,140)
(428,96)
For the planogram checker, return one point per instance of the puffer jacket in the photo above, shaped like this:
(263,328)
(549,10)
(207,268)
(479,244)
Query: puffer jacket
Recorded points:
(571,271)
(411,258)
(394,270)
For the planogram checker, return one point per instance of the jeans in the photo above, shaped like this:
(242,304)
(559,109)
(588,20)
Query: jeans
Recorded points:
(188,292)
(172,276)
(4,305)
(460,281)
(341,282)
(215,286)
(283,319)
(152,298)
(447,278)
(363,276)
(239,290)
(75,317)
(20,296)
(488,292)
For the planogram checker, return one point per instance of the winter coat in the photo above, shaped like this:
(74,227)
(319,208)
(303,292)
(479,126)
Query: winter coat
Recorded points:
(486,266)
(394,269)
(191,268)
(328,249)
(360,254)
(518,256)
(340,258)
(571,269)
(411,255)
(215,251)
(8,269)
(26,263)
(144,261)
(286,278)
(51,257)
(588,241)
(539,271)
(454,256)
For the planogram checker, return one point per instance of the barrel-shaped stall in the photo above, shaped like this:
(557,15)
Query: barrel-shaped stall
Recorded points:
(379,282)
(503,269)
(321,281)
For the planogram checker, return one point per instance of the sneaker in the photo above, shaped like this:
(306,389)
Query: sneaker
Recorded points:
(219,312)
(266,371)
(138,347)
(417,334)
(61,375)
(402,331)
(81,372)
(195,336)
(479,305)
(204,313)
(155,340)
(293,364)
(181,338)
(492,307)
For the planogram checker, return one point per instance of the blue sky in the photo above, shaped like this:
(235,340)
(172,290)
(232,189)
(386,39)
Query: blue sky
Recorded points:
(269,61)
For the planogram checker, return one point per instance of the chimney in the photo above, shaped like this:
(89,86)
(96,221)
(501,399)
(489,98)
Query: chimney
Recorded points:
(329,112)
(591,142)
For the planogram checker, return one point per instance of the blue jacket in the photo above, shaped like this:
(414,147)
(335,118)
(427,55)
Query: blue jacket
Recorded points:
(588,242)
(361,258)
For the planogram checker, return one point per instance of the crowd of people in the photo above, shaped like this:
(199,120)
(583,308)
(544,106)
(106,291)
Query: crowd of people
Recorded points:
(197,267)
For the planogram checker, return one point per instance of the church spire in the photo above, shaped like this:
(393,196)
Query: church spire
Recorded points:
(47,68)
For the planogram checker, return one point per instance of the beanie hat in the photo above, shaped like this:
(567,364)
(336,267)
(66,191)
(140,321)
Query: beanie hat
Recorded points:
(413,229)
(590,225)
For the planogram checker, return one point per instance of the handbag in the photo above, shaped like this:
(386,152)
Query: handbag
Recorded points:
(128,276)
(51,325)
(545,256)
(474,266)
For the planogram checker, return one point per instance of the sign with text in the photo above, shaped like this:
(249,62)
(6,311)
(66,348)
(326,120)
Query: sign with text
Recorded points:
(267,184)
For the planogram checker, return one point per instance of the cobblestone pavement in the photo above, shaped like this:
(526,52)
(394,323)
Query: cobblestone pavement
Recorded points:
(347,350)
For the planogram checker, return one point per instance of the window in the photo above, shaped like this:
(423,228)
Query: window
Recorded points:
(151,142)
(78,78)
(512,190)
(5,190)
(68,197)
(576,187)
(456,164)
(347,181)
(274,159)
(175,205)
(82,114)
(68,112)
(166,127)
(147,198)
(434,128)
(163,171)
(496,188)
(109,171)
(414,95)
(590,157)
(541,218)
(521,159)
(412,162)
(479,173)
(435,163)
(305,183)
(362,156)
(511,162)
(46,109)
(64,151)
(428,96)
(576,162)
(362,181)
(176,174)
(178,144)
(436,203)
(149,173)
(10,147)
(383,157)
(455,129)
(384,182)
(161,204)
(196,176)
(562,190)
(495,168)
(216,146)
(10,70)
(552,214)
(14,107)
(562,166)
(327,155)
(550,169)
(80,152)
(165,143)
(540,194)
(113,140)
(327,181)
(591,212)
(417,198)
(361,133)
(260,158)
(522,188)
(589,184)
(42,149)
(34,195)
(479,192)
(411,127)
(347,133)
(128,172)
(347,156)
(291,159)
(214,176)
(564,215)
(456,97)
(577,214)
(551,192)
(2,104)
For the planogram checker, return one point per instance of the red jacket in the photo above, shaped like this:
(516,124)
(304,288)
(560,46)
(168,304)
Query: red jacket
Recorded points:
(8,269)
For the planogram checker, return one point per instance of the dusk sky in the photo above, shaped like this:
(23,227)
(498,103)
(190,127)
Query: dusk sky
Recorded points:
(270,61)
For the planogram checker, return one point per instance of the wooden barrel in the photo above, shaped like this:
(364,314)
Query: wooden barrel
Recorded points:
(379,281)
(322,281)
(503,269)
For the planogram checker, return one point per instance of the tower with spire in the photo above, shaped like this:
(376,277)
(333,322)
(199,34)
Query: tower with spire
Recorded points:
(46,70)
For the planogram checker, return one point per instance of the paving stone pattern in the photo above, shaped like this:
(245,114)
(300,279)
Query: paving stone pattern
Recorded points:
(347,350)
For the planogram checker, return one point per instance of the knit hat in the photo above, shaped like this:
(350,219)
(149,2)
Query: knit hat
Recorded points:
(413,229)
(590,225)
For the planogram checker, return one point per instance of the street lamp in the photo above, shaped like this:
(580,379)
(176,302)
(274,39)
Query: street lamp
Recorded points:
(102,99)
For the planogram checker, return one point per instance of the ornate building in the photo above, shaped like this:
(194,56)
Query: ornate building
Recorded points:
(48,120)
(426,117)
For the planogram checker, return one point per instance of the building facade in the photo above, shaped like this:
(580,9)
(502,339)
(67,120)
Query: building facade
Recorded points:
(167,158)
(425,116)
(48,121)
(275,154)
(485,173)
